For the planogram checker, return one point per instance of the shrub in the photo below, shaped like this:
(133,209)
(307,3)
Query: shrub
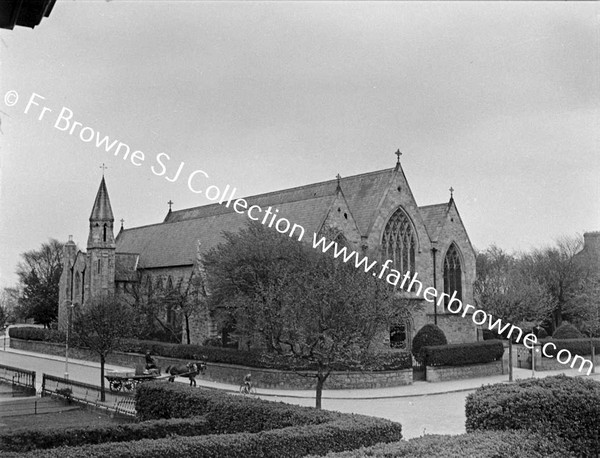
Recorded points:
(39,438)
(213,342)
(33,333)
(567,331)
(564,407)
(285,430)
(581,347)
(428,335)
(480,444)
(344,433)
(464,354)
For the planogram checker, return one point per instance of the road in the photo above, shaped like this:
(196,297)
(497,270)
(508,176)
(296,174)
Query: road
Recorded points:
(431,414)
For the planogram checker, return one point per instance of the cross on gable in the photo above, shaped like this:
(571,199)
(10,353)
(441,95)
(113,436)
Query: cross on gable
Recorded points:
(451,192)
(398,154)
(103,167)
(170,202)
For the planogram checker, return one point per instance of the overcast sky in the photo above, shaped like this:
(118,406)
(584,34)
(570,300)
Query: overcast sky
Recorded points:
(498,100)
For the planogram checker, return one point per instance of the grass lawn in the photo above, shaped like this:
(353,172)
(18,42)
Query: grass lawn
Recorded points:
(69,419)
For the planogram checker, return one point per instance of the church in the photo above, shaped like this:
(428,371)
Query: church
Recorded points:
(373,213)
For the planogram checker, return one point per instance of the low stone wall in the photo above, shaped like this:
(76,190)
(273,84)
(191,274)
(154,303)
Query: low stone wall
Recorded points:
(227,373)
(444,373)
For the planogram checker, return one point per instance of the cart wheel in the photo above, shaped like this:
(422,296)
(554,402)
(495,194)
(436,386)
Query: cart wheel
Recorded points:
(129,385)
(116,385)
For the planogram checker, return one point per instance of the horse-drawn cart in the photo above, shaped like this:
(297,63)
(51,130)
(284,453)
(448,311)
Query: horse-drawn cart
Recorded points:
(128,381)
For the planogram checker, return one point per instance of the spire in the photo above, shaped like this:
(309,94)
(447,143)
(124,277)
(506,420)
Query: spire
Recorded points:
(102,210)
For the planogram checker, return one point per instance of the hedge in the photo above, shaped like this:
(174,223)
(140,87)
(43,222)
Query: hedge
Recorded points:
(341,434)
(37,438)
(464,354)
(260,428)
(561,406)
(392,360)
(581,347)
(567,331)
(480,444)
(428,335)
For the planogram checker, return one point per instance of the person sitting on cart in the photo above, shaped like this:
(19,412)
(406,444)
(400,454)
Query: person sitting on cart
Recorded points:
(150,362)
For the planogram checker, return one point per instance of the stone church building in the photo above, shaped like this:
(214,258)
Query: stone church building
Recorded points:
(373,213)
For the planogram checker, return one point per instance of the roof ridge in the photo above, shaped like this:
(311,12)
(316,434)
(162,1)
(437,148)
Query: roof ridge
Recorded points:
(434,205)
(297,188)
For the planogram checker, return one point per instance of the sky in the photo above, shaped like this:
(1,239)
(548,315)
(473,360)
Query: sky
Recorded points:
(499,100)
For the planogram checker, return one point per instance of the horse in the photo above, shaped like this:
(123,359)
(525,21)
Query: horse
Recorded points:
(189,370)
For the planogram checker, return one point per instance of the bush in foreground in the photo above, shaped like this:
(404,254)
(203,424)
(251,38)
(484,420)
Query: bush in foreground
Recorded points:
(464,354)
(481,444)
(23,441)
(563,407)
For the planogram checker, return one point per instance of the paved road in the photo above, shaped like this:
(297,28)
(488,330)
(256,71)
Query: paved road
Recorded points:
(431,414)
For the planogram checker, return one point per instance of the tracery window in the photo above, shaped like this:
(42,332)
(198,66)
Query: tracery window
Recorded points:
(452,273)
(399,242)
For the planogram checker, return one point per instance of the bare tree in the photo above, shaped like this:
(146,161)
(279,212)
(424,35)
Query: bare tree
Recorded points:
(101,325)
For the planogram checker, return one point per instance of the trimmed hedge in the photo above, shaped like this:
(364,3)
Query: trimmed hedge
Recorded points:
(561,406)
(392,360)
(32,439)
(464,354)
(480,444)
(428,335)
(33,333)
(575,346)
(488,444)
(567,331)
(341,434)
(261,428)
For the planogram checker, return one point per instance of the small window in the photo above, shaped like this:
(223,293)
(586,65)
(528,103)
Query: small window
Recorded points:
(104,233)
(98,265)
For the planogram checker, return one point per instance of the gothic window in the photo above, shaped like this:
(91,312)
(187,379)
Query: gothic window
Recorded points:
(399,242)
(452,273)
(82,286)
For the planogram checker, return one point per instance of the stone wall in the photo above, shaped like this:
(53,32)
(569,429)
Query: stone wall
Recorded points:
(445,373)
(234,375)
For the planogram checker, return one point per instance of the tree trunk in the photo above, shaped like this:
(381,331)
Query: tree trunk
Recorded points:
(510,359)
(321,377)
(187,328)
(102,395)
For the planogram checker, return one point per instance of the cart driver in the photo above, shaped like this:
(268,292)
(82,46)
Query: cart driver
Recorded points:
(150,361)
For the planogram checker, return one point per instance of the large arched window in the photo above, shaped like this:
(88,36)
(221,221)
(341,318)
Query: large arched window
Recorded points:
(399,243)
(452,273)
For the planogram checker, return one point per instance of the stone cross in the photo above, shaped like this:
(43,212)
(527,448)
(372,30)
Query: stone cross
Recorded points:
(103,167)
(398,154)
(451,192)
(170,202)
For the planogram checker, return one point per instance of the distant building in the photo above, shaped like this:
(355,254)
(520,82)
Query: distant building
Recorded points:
(26,13)
(589,256)
(373,213)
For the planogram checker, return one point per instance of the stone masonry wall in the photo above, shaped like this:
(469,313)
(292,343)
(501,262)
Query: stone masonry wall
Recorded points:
(445,373)
(227,373)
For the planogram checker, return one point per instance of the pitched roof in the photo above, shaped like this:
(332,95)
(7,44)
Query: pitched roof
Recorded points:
(174,241)
(102,211)
(125,266)
(433,218)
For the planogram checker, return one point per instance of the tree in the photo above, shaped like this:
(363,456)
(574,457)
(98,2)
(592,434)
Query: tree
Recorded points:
(39,275)
(505,288)
(101,325)
(9,302)
(310,310)
(558,270)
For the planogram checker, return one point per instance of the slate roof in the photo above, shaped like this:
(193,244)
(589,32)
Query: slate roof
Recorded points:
(174,242)
(433,218)
(125,266)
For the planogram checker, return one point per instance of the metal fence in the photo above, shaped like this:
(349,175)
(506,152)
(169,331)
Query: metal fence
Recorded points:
(19,378)
(84,393)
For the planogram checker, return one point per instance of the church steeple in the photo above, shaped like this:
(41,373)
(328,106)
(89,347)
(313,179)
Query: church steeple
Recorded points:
(101,221)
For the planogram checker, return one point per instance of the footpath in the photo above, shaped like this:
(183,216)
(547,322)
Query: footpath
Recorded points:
(418,388)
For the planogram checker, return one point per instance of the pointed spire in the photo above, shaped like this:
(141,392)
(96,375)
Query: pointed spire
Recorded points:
(102,210)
